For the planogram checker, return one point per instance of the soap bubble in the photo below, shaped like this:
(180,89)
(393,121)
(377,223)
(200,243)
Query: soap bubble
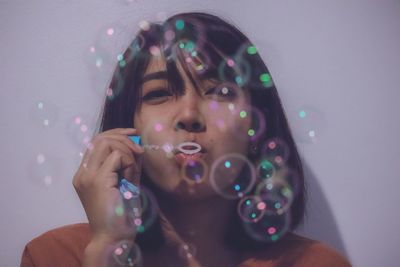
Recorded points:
(194,170)
(269,228)
(177,29)
(276,150)
(232,176)
(236,70)
(277,194)
(44,114)
(256,129)
(105,53)
(307,124)
(265,169)
(227,103)
(251,208)
(41,171)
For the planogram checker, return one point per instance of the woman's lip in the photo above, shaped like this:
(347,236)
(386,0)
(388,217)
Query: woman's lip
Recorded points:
(181,158)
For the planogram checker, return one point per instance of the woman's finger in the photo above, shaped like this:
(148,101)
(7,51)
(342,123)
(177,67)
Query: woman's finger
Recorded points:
(102,147)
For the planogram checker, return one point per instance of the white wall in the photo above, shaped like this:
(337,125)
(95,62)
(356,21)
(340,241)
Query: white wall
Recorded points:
(339,58)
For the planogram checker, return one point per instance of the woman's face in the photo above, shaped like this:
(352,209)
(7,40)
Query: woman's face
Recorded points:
(213,117)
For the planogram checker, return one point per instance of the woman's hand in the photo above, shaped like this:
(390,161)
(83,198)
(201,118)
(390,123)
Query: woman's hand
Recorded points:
(96,182)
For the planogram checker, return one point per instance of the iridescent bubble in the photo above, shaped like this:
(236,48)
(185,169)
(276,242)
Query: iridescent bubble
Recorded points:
(181,36)
(187,250)
(232,176)
(265,169)
(41,171)
(235,69)
(277,195)
(194,170)
(127,253)
(269,228)
(251,208)
(307,124)
(44,114)
(276,151)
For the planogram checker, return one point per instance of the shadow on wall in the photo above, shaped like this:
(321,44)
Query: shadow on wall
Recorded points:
(320,223)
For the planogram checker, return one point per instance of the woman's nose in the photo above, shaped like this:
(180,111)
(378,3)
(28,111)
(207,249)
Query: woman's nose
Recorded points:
(190,117)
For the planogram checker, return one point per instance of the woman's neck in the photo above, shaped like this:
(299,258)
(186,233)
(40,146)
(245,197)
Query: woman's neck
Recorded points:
(200,224)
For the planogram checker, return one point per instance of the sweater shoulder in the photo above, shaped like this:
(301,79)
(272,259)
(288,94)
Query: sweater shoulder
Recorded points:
(297,251)
(59,247)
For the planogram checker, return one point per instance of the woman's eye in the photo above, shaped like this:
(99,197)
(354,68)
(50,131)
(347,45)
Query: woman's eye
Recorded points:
(222,91)
(156,95)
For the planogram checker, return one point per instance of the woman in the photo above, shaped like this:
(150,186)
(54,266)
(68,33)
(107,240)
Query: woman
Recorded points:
(215,180)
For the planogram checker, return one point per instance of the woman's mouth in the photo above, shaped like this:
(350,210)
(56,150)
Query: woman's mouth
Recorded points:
(182,158)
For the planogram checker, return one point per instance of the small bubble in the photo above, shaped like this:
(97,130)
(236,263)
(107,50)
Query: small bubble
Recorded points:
(119,211)
(271,230)
(231,63)
(155,51)
(251,50)
(110,31)
(169,35)
(144,25)
(118,251)
(40,159)
(179,24)
(84,128)
(158,127)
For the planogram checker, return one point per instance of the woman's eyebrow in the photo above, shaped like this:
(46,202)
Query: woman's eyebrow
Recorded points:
(159,75)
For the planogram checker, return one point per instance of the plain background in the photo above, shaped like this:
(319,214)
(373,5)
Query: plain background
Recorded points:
(338,60)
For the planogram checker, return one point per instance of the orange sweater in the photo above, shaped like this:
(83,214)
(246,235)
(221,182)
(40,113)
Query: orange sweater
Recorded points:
(64,247)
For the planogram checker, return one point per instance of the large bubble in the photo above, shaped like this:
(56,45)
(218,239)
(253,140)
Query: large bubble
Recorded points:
(232,176)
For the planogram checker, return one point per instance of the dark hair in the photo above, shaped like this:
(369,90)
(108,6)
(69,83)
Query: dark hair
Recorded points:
(217,41)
